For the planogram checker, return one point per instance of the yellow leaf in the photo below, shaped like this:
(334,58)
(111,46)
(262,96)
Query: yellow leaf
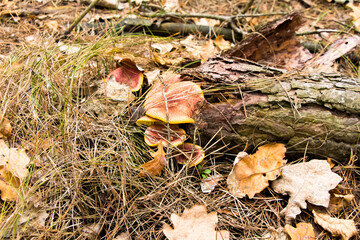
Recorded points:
(303,231)
(195,223)
(251,173)
(221,43)
(337,227)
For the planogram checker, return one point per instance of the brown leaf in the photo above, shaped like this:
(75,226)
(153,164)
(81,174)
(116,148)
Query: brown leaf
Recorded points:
(221,43)
(5,127)
(339,201)
(208,50)
(251,173)
(303,231)
(194,223)
(155,166)
(337,227)
(13,170)
(309,181)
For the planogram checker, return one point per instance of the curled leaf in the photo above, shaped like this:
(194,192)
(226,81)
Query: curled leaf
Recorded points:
(251,173)
(155,166)
(337,227)
(5,127)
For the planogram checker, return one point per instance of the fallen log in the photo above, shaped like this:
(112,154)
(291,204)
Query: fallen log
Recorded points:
(317,114)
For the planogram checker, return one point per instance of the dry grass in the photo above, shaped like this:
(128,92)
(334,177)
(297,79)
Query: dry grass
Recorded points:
(84,170)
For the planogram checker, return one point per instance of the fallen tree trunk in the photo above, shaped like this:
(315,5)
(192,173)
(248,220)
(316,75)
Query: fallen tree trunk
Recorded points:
(316,114)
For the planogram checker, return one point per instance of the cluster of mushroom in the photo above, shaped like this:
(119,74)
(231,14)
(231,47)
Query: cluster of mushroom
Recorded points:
(169,103)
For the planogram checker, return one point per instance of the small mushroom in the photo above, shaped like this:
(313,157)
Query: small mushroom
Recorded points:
(177,106)
(128,74)
(156,134)
(190,153)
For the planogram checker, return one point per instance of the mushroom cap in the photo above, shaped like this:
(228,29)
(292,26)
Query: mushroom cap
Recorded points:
(181,99)
(128,74)
(191,153)
(156,134)
(147,121)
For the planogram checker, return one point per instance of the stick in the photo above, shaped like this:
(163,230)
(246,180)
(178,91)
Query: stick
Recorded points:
(204,15)
(82,15)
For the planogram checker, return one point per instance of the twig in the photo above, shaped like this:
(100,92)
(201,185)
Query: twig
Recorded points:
(82,15)
(248,5)
(211,16)
(318,31)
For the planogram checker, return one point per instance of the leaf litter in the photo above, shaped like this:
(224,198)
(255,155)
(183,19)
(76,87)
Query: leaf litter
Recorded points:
(99,170)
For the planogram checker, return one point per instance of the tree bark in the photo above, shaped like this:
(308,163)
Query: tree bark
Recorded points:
(249,104)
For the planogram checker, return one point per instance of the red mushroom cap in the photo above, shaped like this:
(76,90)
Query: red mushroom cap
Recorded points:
(157,134)
(191,153)
(128,74)
(181,99)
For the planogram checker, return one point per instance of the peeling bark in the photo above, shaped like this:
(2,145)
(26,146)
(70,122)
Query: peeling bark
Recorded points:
(314,113)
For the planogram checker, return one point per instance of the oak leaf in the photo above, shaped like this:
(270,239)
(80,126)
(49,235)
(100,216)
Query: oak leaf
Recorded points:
(251,173)
(13,170)
(195,223)
(337,227)
(221,43)
(309,181)
(355,14)
(303,231)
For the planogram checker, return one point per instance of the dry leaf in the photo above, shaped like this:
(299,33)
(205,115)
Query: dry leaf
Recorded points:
(337,227)
(339,201)
(251,173)
(152,76)
(355,14)
(5,127)
(122,236)
(171,5)
(13,170)
(163,47)
(33,218)
(208,184)
(194,223)
(155,166)
(208,50)
(207,22)
(221,43)
(310,181)
(303,231)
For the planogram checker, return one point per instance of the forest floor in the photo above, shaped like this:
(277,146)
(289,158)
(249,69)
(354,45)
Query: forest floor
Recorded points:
(86,151)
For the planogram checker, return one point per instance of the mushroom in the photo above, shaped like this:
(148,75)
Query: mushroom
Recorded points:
(147,121)
(155,166)
(191,153)
(156,134)
(127,74)
(177,106)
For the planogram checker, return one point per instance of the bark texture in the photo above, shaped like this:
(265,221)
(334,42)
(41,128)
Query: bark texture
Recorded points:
(314,113)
